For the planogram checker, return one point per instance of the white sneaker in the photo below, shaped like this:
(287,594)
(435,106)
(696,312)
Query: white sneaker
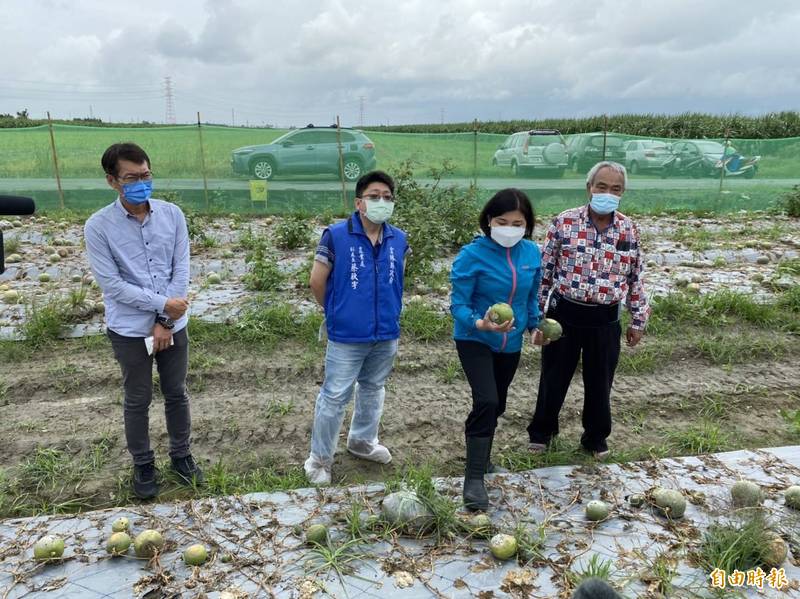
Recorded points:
(366,450)
(318,472)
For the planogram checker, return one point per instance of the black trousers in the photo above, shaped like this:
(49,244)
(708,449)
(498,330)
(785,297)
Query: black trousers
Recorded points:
(489,375)
(591,334)
(137,381)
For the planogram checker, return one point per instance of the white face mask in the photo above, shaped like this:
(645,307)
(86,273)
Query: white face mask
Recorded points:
(508,236)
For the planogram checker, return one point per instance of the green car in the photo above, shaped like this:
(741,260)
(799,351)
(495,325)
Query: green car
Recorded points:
(308,151)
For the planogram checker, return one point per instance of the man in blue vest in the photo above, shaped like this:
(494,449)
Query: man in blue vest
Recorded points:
(357,278)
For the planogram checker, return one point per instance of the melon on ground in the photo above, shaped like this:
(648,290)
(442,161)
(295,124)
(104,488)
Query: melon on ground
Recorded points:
(195,555)
(317,534)
(405,510)
(670,503)
(48,547)
(503,546)
(147,543)
(792,497)
(745,494)
(121,524)
(596,510)
(118,543)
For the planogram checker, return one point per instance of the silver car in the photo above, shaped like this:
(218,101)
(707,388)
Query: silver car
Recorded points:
(646,155)
(540,151)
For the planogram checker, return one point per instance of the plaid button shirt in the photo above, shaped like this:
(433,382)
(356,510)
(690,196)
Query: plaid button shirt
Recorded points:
(595,267)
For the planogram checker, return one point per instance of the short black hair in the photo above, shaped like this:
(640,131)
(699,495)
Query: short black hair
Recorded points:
(124,151)
(372,177)
(504,201)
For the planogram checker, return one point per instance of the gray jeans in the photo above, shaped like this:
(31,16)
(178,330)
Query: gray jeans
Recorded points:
(137,380)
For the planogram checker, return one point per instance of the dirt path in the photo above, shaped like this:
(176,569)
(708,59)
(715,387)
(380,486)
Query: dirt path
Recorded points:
(254,410)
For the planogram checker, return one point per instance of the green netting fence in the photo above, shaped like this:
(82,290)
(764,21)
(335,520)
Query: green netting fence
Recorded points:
(314,172)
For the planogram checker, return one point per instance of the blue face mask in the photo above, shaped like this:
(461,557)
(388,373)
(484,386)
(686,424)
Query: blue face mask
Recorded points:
(137,193)
(604,203)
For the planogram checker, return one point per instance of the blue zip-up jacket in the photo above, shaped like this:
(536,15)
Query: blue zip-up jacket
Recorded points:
(485,273)
(364,295)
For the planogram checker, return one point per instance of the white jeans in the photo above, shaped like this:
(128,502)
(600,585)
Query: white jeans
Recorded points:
(369,365)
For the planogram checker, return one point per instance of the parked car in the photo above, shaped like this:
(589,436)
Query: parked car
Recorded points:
(706,158)
(586,149)
(310,150)
(646,155)
(540,151)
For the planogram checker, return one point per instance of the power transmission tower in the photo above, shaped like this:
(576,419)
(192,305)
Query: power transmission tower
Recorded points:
(361,111)
(169,117)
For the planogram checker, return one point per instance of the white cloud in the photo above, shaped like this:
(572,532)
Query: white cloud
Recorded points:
(294,63)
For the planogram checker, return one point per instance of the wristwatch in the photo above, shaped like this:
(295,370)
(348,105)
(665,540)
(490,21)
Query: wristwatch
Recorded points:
(165,322)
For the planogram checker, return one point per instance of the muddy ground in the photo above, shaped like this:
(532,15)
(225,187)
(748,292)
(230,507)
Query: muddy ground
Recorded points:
(253,407)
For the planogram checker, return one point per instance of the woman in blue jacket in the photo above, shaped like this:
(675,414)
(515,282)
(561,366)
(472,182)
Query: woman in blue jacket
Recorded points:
(503,265)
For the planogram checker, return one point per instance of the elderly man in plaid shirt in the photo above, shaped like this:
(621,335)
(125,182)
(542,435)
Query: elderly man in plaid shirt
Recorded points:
(591,266)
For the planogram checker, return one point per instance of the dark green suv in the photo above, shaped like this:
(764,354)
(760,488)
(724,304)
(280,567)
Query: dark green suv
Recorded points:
(309,151)
(587,149)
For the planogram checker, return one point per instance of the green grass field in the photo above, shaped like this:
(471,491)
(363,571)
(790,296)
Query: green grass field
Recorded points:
(175,151)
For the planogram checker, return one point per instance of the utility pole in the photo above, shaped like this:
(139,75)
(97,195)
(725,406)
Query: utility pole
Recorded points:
(233,118)
(169,116)
(361,111)
(442,115)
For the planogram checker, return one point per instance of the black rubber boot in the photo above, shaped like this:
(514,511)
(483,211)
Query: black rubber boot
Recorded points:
(491,467)
(475,496)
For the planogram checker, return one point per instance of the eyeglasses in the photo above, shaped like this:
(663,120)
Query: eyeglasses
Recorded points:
(134,178)
(374,196)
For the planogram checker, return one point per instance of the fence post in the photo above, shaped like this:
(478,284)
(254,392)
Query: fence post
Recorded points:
(203,161)
(475,153)
(341,163)
(722,170)
(55,160)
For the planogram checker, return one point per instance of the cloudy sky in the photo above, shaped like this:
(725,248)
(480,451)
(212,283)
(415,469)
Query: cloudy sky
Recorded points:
(412,61)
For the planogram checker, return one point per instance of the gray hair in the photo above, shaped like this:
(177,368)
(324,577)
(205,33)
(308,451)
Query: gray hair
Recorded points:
(614,166)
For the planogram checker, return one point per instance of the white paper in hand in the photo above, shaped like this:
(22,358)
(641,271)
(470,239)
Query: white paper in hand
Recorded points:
(148,343)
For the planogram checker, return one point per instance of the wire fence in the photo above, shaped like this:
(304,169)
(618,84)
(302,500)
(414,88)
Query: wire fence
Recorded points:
(250,170)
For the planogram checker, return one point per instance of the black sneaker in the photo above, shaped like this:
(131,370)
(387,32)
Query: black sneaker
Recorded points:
(144,481)
(188,471)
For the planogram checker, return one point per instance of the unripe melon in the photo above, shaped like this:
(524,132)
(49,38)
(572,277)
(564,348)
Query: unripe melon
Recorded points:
(481,526)
(669,502)
(48,547)
(745,494)
(596,510)
(44,277)
(792,497)
(317,534)
(775,553)
(636,500)
(13,258)
(148,543)
(214,278)
(551,329)
(501,313)
(503,546)
(118,543)
(195,555)
(121,525)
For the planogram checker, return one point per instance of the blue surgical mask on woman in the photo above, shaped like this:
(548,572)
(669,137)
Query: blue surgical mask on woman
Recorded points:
(604,203)
(138,192)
